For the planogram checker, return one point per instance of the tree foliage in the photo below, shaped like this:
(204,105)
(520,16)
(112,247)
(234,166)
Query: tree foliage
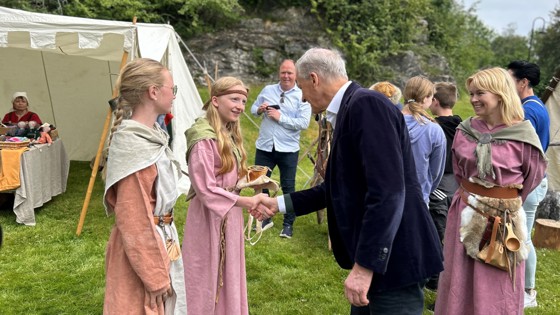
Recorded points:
(263,6)
(365,31)
(368,31)
(189,17)
(508,47)
(547,47)
(460,36)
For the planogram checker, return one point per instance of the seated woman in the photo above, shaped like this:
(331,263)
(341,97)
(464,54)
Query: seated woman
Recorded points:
(20,112)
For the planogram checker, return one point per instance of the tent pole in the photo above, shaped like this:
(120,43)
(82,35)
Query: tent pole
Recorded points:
(99,151)
(208,83)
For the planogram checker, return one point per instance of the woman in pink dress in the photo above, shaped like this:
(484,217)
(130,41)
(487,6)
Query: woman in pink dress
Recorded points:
(498,160)
(213,244)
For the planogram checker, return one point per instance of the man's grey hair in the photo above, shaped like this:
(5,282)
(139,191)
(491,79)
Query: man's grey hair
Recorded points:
(327,64)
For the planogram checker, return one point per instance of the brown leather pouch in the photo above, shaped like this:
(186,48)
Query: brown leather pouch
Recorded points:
(497,257)
(494,253)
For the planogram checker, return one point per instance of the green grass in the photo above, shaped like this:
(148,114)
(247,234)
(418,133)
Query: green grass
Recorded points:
(47,269)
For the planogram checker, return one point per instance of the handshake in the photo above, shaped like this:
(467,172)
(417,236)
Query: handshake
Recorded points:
(260,206)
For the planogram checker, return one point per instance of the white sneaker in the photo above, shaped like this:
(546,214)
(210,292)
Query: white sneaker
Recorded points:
(530,299)
(267,224)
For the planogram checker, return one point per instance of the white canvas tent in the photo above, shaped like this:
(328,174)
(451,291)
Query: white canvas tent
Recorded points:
(68,67)
(552,101)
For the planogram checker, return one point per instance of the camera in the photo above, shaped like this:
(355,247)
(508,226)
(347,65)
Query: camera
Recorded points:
(273,106)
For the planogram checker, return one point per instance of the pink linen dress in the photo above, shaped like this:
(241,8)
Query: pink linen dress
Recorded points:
(209,211)
(467,286)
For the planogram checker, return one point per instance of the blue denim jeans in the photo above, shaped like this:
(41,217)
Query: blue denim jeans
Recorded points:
(407,300)
(530,206)
(287,163)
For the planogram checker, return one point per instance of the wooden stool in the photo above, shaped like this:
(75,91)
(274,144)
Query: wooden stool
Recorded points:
(547,234)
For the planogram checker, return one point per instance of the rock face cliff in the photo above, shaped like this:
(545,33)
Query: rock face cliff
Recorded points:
(253,50)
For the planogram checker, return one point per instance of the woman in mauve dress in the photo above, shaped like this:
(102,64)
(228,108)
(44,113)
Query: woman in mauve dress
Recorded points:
(496,148)
(144,269)
(213,244)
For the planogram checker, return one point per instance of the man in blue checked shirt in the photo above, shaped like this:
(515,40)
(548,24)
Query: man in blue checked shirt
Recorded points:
(284,115)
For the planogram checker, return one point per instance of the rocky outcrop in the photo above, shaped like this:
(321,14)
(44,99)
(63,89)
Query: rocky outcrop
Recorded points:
(253,49)
(409,64)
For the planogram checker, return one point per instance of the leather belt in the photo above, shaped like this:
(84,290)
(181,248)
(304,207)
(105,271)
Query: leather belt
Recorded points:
(163,219)
(494,192)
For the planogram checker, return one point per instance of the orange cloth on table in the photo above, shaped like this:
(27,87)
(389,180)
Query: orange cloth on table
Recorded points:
(9,171)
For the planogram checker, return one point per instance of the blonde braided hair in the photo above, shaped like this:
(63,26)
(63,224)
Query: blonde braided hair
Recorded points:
(415,91)
(134,80)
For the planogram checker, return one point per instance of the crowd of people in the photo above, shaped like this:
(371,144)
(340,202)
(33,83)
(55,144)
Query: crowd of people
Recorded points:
(425,205)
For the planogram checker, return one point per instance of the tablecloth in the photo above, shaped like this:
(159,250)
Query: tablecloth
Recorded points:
(43,174)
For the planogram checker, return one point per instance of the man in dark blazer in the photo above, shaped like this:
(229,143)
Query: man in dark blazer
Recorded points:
(379,225)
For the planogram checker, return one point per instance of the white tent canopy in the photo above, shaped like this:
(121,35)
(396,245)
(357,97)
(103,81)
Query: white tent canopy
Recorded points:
(68,67)
(553,152)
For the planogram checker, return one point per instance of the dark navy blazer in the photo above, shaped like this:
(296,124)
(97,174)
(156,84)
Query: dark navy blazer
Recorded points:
(376,214)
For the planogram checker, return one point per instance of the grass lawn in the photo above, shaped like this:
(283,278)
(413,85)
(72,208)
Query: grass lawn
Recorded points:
(47,269)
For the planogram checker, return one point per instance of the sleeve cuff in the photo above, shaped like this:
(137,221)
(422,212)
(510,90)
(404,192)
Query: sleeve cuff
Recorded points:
(281,204)
(285,204)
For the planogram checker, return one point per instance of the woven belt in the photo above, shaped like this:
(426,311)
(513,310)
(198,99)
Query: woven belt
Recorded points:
(494,192)
(163,219)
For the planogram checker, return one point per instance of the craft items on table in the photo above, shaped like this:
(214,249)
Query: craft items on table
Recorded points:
(14,142)
(7,130)
(32,130)
(25,133)
(21,130)
(45,137)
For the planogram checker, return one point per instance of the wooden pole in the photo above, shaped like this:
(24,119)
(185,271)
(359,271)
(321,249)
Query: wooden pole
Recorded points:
(209,84)
(99,151)
(216,71)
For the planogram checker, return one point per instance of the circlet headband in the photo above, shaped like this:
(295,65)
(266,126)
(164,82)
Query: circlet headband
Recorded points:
(232,92)
(226,92)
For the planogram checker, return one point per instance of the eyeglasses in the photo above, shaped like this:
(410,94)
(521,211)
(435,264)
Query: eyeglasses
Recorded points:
(173,88)
(282,98)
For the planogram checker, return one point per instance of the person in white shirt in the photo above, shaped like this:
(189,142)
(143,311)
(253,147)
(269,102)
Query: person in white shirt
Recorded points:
(285,115)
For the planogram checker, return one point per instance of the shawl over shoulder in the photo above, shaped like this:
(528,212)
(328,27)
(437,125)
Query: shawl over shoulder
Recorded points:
(522,132)
(134,147)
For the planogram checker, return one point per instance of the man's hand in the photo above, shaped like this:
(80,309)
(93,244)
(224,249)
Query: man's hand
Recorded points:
(273,114)
(357,285)
(270,203)
(259,208)
(262,108)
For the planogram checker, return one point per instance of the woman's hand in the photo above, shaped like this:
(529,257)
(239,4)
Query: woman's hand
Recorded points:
(156,300)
